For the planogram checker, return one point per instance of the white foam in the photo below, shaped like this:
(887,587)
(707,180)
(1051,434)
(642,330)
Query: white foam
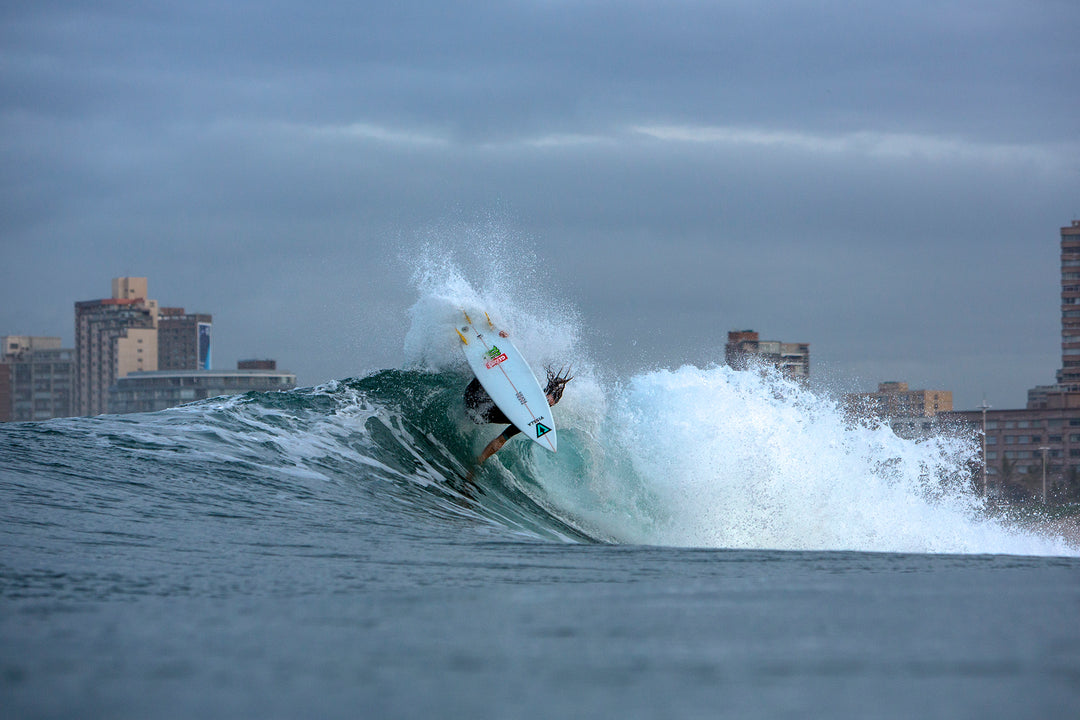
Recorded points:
(718,458)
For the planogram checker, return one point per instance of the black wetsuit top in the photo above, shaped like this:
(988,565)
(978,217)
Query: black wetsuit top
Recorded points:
(484,410)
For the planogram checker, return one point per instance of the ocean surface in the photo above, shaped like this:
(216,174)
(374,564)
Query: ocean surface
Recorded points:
(706,543)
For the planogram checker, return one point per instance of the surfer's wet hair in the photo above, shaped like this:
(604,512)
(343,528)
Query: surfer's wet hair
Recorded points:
(556,381)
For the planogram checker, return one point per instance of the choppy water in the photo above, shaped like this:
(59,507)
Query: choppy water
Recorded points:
(706,543)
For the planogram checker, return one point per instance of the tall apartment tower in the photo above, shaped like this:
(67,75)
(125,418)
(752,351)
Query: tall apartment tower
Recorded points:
(1065,393)
(113,337)
(1070,306)
(744,347)
(183,340)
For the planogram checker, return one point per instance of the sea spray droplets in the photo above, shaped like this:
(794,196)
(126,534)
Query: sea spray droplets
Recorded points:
(485,275)
(720,458)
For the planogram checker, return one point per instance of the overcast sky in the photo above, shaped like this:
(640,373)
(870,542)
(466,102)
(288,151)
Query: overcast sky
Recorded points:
(885,181)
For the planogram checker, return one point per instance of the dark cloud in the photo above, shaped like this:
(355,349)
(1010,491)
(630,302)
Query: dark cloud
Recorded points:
(885,183)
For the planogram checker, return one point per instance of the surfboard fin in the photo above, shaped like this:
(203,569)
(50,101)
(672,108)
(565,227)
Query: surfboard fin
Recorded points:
(463,338)
(490,324)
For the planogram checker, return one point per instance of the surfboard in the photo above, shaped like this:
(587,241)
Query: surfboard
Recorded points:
(507,378)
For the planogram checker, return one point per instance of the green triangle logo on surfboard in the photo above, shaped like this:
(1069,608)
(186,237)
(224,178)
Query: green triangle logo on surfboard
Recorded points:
(542,429)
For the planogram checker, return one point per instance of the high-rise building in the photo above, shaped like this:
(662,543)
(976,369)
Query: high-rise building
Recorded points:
(36,379)
(183,340)
(1066,392)
(1037,449)
(744,347)
(113,337)
(1070,305)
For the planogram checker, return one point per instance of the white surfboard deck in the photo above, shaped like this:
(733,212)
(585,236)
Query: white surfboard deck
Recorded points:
(507,378)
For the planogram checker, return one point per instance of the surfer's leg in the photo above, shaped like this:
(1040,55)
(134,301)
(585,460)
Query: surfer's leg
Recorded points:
(492,447)
(496,445)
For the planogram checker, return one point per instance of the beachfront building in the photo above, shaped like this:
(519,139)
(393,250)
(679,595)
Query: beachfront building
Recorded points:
(744,347)
(151,391)
(1028,451)
(113,337)
(36,376)
(1069,375)
(896,400)
(183,339)
(1065,393)
(909,412)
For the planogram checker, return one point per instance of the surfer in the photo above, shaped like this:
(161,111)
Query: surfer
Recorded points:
(482,409)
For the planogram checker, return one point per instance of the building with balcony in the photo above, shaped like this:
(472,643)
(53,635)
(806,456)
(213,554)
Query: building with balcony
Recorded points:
(113,337)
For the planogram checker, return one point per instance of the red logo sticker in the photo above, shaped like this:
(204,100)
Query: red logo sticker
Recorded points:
(495,361)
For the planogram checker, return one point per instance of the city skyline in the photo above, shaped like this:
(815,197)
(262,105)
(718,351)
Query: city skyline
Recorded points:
(130,355)
(883,182)
(171,311)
